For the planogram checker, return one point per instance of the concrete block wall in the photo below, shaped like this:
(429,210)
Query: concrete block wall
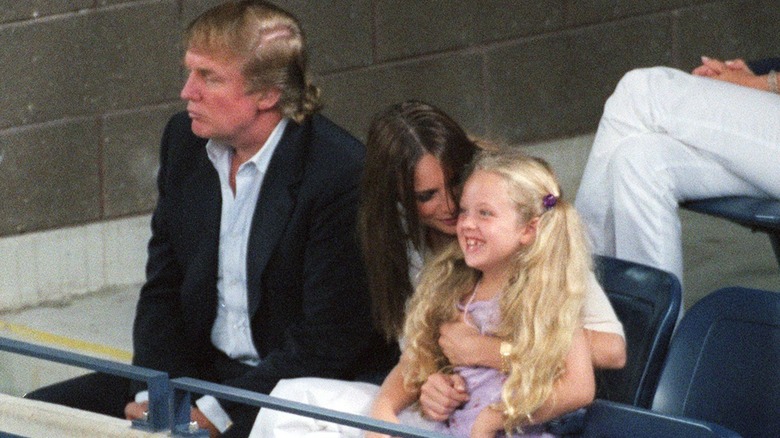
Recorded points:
(87,85)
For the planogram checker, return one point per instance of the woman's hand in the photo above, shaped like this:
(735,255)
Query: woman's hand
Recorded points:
(457,340)
(463,345)
(712,67)
(735,71)
(441,394)
(136,411)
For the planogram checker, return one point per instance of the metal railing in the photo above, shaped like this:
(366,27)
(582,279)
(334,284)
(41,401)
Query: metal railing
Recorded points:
(184,386)
(157,382)
(169,400)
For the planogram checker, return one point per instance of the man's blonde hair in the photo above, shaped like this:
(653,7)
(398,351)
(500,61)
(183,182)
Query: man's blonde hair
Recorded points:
(270,45)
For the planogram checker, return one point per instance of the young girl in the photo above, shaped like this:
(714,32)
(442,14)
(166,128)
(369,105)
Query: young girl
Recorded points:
(519,271)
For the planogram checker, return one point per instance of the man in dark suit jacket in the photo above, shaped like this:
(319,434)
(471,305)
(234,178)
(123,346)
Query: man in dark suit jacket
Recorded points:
(254,273)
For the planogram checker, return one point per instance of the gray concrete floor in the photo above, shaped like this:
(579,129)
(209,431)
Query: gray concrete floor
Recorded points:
(718,253)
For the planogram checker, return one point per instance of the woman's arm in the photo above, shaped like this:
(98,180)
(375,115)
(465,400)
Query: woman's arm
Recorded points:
(602,328)
(607,350)
(463,345)
(392,398)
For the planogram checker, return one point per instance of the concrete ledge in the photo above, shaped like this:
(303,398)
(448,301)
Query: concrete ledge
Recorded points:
(31,418)
(56,265)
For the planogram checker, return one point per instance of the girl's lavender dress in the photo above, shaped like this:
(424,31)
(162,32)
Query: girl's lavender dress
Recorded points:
(484,384)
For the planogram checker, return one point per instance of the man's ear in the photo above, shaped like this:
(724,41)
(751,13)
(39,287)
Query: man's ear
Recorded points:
(528,233)
(267,99)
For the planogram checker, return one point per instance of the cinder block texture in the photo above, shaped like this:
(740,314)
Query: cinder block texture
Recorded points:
(600,11)
(453,83)
(131,157)
(555,86)
(339,32)
(49,175)
(730,29)
(410,27)
(13,10)
(89,63)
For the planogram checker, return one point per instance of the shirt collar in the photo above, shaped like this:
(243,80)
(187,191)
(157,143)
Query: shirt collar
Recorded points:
(218,151)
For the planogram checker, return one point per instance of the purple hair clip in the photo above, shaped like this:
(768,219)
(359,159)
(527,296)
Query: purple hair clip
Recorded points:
(549,201)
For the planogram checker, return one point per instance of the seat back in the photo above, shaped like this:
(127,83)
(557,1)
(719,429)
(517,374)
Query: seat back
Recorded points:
(723,364)
(614,420)
(647,302)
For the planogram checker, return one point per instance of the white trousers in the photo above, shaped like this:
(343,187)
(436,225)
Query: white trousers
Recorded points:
(350,397)
(665,137)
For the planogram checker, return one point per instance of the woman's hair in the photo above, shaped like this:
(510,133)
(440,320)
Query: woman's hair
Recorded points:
(269,43)
(540,307)
(397,138)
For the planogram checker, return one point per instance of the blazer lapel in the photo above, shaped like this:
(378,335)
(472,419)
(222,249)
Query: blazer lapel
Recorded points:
(275,205)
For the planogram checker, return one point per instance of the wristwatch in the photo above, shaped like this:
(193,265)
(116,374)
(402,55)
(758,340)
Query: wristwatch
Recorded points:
(505,351)
(771,80)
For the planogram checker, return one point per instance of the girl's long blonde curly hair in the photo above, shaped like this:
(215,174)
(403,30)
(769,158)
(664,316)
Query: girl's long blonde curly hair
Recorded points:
(540,307)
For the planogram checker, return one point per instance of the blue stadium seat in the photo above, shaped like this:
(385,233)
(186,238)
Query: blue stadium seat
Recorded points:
(647,302)
(614,420)
(758,214)
(722,372)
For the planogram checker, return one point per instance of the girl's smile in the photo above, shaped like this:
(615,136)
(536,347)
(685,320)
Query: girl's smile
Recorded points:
(490,229)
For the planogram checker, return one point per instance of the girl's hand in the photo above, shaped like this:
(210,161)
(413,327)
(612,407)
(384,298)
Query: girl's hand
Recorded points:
(487,424)
(393,396)
(381,412)
(441,394)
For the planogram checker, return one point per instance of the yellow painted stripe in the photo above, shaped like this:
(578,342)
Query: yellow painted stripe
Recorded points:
(68,343)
